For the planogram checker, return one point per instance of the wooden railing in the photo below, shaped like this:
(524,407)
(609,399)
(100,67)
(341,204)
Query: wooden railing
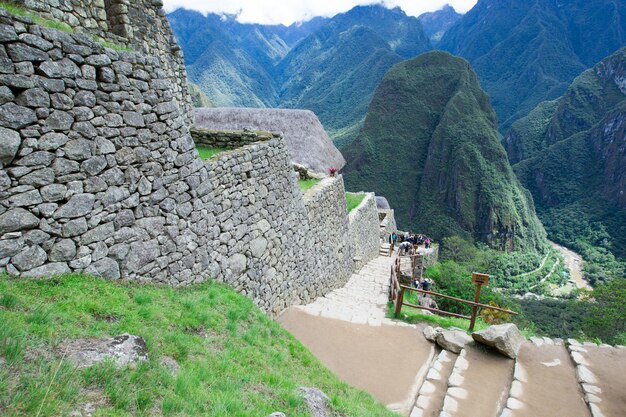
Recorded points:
(397,290)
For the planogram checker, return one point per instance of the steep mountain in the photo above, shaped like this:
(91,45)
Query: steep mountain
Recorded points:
(438,22)
(430,145)
(335,70)
(233,63)
(571,154)
(529,51)
(329,66)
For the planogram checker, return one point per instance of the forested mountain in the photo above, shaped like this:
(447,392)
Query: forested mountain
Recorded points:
(529,51)
(430,145)
(330,66)
(571,155)
(438,22)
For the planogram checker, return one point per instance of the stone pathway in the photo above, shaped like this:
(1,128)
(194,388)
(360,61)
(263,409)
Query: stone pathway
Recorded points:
(363,300)
(348,331)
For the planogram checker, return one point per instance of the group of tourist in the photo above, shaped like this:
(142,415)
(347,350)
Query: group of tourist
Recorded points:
(410,240)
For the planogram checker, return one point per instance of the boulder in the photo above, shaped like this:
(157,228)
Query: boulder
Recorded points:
(453,340)
(124,350)
(317,402)
(506,338)
(431,333)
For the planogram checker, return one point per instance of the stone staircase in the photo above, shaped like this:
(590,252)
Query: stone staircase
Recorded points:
(549,378)
(384,249)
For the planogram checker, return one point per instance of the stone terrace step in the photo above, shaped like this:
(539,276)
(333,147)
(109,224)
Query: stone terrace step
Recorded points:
(479,384)
(433,390)
(601,370)
(545,383)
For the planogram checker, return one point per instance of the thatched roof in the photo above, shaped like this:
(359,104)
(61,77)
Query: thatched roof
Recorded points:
(307,142)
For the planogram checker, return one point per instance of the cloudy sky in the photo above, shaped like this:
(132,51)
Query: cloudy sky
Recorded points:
(289,11)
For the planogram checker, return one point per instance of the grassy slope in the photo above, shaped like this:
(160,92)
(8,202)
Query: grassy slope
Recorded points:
(430,145)
(354,200)
(234,361)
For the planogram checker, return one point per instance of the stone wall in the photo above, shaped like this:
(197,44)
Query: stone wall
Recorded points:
(363,230)
(99,174)
(140,25)
(332,251)
(227,139)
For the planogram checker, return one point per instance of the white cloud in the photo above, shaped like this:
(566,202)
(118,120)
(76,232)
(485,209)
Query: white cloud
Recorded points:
(289,11)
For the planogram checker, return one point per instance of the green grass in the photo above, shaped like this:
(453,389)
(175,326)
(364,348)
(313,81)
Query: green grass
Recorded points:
(112,45)
(354,200)
(307,184)
(234,360)
(208,153)
(22,11)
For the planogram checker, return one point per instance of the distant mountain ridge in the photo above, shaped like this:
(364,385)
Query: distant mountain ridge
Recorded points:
(529,51)
(430,146)
(571,154)
(438,22)
(330,66)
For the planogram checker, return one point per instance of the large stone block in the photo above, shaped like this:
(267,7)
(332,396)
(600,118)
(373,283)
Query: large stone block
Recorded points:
(9,145)
(506,338)
(17,219)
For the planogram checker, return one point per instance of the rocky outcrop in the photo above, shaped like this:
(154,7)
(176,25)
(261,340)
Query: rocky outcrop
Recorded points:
(307,142)
(505,338)
(123,350)
(317,401)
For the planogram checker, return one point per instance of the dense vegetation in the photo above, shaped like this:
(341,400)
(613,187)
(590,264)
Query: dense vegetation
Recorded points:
(234,361)
(430,146)
(570,155)
(526,52)
(329,66)
(600,315)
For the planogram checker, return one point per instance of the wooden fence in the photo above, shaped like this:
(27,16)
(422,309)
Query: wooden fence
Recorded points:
(397,290)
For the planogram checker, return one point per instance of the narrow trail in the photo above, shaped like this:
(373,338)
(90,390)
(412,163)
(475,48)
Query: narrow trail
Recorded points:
(543,262)
(550,272)
(574,262)
(347,330)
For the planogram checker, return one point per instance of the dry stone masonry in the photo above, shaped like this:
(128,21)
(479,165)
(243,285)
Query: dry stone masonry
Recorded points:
(364,225)
(99,174)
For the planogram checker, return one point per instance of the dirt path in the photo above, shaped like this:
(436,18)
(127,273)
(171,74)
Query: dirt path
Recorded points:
(608,365)
(348,332)
(382,360)
(548,385)
(574,262)
(486,381)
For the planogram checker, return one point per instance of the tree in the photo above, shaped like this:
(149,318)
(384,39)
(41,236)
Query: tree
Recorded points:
(607,318)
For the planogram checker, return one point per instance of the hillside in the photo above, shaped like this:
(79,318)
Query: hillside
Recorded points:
(329,66)
(430,145)
(570,154)
(526,52)
(210,352)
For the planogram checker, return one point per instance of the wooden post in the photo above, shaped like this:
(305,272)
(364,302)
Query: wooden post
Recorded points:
(399,302)
(479,280)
